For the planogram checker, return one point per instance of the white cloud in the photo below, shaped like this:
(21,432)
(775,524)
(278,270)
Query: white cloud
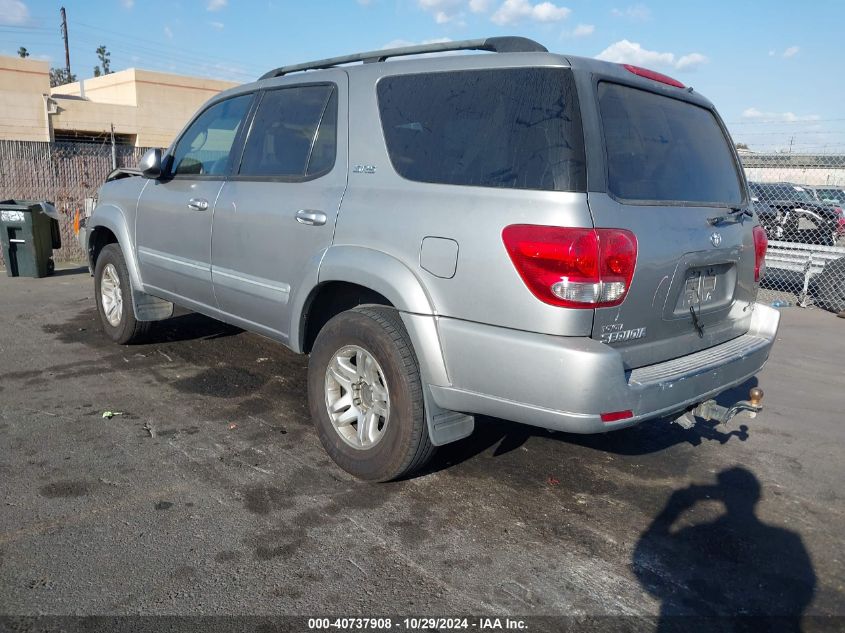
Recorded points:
(691,61)
(444,11)
(513,11)
(791,51)
(771,53)
(365,3)
(583,30)
(636,13)
(13,12)
(626,52)
(216,5)
(127,4)
(168,32)
(216,25)
(480,6)
(776,117)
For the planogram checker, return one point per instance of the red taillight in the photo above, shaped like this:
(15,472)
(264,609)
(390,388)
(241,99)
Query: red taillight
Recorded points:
(615,416)
(653,75)
(573,267)
(761,243)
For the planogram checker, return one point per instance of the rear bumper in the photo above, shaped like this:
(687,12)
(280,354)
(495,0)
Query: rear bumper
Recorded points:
(566,383)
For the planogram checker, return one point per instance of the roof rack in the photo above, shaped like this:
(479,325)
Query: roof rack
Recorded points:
(491,44)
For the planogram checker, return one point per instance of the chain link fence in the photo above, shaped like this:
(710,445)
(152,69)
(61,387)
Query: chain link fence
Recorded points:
(64,173)
(799,199)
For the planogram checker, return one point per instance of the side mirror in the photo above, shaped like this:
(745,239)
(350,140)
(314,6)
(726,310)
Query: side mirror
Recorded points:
(150,165)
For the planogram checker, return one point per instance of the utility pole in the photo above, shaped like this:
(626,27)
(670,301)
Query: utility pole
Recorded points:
(67,50)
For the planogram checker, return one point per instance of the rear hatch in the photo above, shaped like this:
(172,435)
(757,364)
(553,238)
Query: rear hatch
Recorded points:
(671,173)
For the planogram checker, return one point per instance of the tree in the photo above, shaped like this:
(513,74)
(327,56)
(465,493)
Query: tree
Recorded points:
(741,146)
(23,53)
(59,77)
(105,61)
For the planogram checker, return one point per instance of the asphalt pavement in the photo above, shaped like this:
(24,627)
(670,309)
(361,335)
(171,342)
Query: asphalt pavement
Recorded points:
(207,492)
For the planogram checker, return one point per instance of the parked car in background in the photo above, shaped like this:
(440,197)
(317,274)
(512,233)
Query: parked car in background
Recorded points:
(833,197)
(792,213)
(827,195)
(423,229)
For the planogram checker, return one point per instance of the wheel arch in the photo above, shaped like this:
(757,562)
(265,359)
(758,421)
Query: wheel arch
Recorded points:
(109,227)
(377,278)
(383,276)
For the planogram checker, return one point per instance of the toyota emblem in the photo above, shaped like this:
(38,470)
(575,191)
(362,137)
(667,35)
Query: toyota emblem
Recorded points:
(715,239)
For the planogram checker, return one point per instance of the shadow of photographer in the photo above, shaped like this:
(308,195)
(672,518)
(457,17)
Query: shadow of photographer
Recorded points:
(731,573)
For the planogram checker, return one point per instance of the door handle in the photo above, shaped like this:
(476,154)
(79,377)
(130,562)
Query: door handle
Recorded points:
(198,204)
(311,218)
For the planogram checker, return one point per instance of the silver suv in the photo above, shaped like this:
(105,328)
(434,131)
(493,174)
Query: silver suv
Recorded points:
(553,240)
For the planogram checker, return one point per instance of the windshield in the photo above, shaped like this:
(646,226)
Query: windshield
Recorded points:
(770,193)
(799,194)
(836,196)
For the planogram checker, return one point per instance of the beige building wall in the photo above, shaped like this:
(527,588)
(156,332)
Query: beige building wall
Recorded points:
(151,106)
(23,112)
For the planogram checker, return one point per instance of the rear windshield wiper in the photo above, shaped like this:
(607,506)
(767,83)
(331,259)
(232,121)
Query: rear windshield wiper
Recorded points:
(736,214)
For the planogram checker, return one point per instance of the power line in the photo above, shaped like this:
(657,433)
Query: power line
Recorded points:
(130,40)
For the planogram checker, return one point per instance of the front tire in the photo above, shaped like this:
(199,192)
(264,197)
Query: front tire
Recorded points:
(113,293)
(366,396)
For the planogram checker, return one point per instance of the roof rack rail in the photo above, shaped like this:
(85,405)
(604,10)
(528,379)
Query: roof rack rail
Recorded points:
(492,44)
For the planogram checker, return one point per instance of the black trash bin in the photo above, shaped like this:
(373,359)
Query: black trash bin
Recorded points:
(29,231)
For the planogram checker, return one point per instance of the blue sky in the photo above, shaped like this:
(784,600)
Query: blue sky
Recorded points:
(774,69)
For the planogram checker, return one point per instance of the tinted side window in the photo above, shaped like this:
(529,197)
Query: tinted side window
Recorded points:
(515,128)
(204,147)
(294,133)
(664,149)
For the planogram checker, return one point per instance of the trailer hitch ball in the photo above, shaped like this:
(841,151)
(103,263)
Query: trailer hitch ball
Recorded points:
(755,396)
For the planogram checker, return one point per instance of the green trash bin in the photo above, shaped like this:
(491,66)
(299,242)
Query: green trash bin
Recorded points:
(29,231)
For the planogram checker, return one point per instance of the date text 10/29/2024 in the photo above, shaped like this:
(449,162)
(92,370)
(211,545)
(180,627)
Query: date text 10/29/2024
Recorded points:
(417,624)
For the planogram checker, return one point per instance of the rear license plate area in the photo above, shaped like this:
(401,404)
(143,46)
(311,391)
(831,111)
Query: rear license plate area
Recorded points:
(706,288)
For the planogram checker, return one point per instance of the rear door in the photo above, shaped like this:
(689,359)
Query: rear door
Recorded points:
(275,217)
(670,171)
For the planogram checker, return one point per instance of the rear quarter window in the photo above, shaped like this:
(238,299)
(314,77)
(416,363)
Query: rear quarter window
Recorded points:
(665,150)
(510,128)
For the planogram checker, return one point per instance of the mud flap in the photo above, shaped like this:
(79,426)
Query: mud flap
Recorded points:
(150,308)
(444,426)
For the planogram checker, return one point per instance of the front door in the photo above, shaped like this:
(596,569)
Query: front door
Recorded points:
(175,211)
(275,216)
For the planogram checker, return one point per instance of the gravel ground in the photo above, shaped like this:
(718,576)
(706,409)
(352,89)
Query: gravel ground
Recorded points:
(210,493)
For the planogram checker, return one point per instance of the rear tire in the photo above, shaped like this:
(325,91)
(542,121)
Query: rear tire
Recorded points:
(399,442)
(113,293)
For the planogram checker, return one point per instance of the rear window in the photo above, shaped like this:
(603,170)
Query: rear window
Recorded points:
(663,149)
(510,128)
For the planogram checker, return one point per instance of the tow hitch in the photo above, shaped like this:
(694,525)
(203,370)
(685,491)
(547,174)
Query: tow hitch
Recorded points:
(711,410)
